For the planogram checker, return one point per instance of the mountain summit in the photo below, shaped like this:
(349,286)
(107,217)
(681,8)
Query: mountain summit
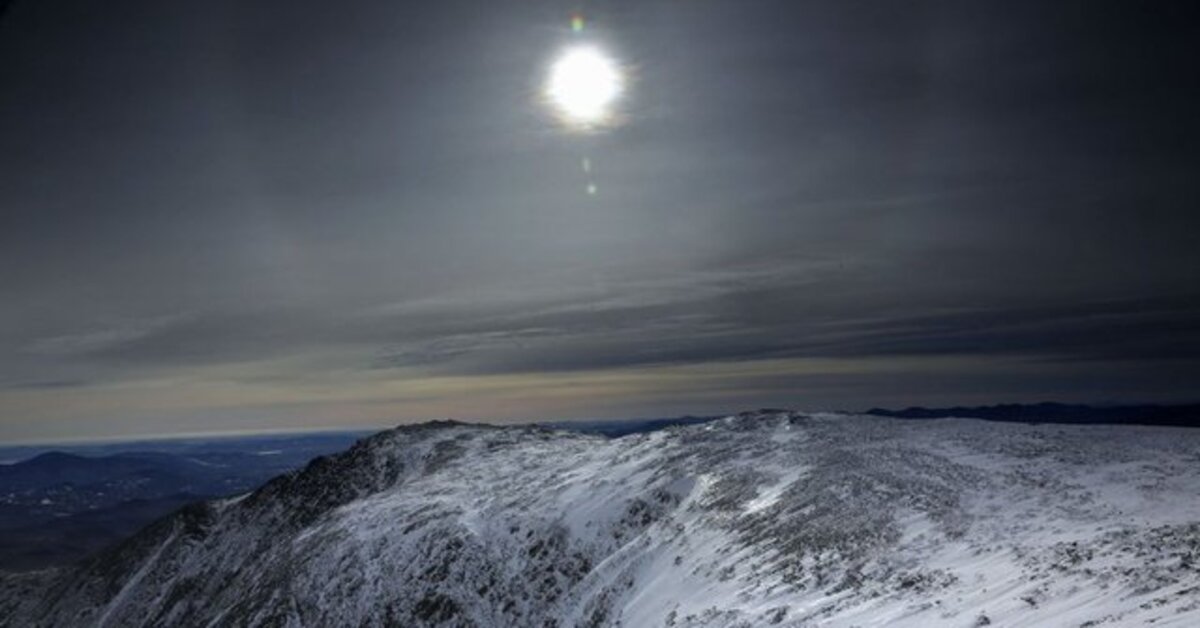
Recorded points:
(764,518)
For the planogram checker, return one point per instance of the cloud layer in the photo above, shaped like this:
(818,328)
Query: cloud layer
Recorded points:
(291,214)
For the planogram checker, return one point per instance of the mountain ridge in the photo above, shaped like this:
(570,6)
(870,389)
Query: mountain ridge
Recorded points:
(1179,415)
(761,518)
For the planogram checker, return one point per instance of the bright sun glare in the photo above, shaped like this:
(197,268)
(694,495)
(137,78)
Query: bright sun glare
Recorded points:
(583,85)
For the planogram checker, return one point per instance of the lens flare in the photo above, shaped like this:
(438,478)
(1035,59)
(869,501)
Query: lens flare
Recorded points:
(583,85)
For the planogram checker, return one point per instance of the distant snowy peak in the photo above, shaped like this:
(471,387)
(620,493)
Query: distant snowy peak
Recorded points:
(764,518)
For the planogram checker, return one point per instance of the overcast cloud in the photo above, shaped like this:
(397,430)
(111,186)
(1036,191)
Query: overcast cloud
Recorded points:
(241,216)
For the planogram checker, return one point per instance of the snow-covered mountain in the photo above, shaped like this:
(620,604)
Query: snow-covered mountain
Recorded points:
(766,518)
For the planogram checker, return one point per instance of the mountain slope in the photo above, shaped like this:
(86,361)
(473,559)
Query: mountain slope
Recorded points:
(771,518)
(57,507)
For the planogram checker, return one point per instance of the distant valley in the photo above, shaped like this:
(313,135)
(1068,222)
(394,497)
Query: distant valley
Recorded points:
(61,505)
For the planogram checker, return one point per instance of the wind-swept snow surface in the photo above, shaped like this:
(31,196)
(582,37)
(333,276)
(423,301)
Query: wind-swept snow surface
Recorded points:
(769,518)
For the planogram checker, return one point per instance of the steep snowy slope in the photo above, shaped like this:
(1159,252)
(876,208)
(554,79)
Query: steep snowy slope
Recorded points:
(769,518)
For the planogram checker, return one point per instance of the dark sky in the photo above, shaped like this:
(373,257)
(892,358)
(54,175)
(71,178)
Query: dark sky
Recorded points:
(232,215)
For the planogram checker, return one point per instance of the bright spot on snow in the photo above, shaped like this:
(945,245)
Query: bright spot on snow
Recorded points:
(583,85)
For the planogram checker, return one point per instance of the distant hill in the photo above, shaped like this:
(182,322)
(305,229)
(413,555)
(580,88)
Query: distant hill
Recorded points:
(1178,415)
(625,427)
(58,506)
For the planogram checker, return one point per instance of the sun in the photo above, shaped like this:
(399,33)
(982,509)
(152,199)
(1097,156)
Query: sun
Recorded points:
(583,86)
